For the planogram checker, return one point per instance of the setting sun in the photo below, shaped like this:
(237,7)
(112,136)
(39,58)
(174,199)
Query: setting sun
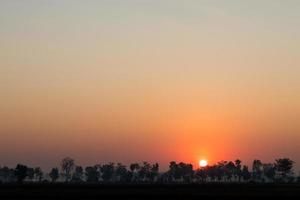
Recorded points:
(203,163)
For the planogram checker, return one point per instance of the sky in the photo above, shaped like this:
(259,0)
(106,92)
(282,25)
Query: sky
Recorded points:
(149,80)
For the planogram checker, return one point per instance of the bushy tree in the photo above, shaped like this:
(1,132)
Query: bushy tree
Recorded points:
(257,168)
(221,169)
(246,174)
(78,174)
(202,174)
(121,173)
(269,171)
(284,167)
(180,171)
(229,170)
(154,172)
(54,174)
(30,173)
(67,166)
(212,172)
(238,170)
(144,172)
(92,174)
(39,174)
(7,174)
(107,171)
(134,168)
(21,172)
(174,171)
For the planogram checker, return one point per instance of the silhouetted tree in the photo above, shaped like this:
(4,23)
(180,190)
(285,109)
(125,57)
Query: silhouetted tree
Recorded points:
(154,172)
(284,166)
(281,170)
(180,171)
(144,172)
(67,166)
(174,172)
(246,174)
(221,169)
(107,171)
(38,173)
(257,170)
(21,172)
(30,174)
(7,174)
(202,174)
(229,170)
(238,169)
(92,174)
(98,169)
(269,171)
(186,171)
(78,174)
(121,173)
(212,172)
(54,174)
(134,168)
(163,178)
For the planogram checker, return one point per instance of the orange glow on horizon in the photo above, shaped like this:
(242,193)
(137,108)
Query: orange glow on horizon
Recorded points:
(178,86)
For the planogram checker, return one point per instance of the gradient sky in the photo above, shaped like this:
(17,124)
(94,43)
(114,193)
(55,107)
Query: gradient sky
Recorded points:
(134,80)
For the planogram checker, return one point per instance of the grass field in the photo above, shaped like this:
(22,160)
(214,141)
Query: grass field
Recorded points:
(206,191)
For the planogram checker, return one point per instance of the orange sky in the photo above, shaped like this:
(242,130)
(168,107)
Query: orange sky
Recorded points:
(149,80)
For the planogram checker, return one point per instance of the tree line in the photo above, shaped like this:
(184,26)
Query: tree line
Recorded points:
(225,171)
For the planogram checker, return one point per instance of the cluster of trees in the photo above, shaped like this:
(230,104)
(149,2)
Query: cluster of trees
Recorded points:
(224,171)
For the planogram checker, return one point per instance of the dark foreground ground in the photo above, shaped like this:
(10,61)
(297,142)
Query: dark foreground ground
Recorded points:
(202,191)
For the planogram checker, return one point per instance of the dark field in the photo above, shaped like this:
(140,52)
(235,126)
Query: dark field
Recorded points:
(203,191)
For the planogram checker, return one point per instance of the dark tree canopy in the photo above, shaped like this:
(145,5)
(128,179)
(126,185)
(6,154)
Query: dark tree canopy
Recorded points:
(21,172)
(224,171)
(54,174)
(67,166)
(92,174)
(38,173)
(107,171)
(284,166)
(78,174)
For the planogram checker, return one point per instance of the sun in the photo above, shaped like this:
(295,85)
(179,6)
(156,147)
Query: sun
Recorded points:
(203,163)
